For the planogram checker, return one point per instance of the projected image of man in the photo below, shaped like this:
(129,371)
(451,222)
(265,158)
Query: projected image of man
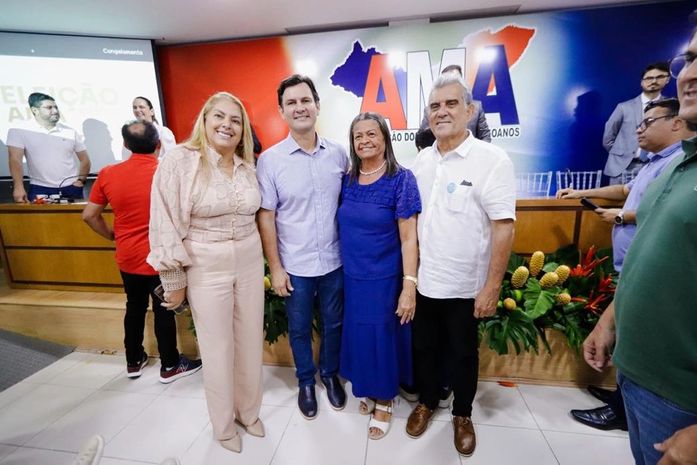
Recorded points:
(56,155)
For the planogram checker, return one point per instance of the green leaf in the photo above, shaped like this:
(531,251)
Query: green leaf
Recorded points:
(538,307)
(569,255)
(532,289)
(550,266)
(514,261)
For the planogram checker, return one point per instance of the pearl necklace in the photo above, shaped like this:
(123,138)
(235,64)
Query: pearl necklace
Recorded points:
(370,173)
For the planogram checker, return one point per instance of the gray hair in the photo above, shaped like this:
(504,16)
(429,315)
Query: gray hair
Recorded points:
(447,79)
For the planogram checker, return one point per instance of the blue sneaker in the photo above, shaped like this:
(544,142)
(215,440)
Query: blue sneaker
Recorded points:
(186,367)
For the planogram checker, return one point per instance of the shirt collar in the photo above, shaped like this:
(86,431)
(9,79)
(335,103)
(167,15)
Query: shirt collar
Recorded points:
(290,146)
(215,158)
(666,151)
(689,146)
(645,99)
(142,155)
(36,124)
(461,150)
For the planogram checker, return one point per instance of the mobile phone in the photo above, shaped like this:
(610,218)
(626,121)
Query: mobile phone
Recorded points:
(588,204)
(160,293)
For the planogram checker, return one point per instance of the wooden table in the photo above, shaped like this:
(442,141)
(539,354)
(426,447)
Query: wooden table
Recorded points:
(50,247)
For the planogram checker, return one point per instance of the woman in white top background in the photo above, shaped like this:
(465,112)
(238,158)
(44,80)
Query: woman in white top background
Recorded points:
(143,111)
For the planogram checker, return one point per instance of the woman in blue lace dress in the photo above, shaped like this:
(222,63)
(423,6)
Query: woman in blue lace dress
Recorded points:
(377,234)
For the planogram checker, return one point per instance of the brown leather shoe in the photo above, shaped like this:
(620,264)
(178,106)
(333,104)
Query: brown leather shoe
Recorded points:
(465,440)
(418,420)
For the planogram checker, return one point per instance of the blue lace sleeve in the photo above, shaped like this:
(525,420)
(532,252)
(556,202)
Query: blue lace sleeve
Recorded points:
(408,198)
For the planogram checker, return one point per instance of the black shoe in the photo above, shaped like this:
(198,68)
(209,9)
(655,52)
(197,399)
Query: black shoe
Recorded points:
(445,397)
(134,370)
(307,402)
(603,395)
(603,418)
(335,392)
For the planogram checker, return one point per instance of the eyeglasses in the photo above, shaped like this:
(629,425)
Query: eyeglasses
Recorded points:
(680,62)
(655,78)
(644,125)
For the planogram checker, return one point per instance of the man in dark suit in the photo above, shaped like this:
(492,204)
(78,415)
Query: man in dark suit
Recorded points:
(619,138)
(477,125)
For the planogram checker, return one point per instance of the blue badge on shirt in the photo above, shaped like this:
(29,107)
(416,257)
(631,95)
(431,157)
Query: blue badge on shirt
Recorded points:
(451,187)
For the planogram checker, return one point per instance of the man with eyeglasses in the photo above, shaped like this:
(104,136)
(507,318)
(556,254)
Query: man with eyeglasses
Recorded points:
(654,320)
(620,139)
(660,134)
(56,155)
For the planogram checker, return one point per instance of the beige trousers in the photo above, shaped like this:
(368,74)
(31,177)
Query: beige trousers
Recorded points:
(226,292)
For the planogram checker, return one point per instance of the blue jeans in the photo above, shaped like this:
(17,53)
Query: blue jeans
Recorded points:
(299,306)
(651,419)
(68,192)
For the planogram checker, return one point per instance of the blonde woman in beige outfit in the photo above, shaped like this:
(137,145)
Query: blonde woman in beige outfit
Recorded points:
(205,244)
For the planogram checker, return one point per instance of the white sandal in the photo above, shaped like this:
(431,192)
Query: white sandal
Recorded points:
(367,406)
(382,426)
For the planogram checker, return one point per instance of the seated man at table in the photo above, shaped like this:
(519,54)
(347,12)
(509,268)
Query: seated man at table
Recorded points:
(126,187)
(660,134)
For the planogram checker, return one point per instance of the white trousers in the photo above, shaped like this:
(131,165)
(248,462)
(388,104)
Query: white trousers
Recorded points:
(226,292)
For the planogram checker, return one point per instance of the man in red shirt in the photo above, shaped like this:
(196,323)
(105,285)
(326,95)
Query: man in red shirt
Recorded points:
(126,187)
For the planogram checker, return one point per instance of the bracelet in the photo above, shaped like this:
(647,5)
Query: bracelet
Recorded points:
(412,279)
(173,279)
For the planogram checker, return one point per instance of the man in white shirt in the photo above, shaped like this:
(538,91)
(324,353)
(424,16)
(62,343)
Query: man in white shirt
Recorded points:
(56,155)
(466,229)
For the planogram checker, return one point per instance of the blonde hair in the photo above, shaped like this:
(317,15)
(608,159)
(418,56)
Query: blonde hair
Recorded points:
(198,140)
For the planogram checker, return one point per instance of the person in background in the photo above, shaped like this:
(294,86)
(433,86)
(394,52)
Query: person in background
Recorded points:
(424,138)
(143,111)
(126,187)
(377,236)
(620,138)
(56,154)
(205,244)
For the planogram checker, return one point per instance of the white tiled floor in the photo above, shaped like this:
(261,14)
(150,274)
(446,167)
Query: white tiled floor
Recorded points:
(45,419)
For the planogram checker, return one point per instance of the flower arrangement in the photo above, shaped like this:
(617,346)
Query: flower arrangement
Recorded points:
(563,291)
(549,294)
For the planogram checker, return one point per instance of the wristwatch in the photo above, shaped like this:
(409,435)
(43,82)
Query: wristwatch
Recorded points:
(619,219)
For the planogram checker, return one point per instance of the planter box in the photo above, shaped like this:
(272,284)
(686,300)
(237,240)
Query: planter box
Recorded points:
(94,321)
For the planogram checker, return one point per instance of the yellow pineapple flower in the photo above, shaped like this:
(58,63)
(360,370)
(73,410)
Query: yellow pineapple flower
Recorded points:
(520,275)
(537,261)
(563,298)
(563,272)
(509,304)
(549,279)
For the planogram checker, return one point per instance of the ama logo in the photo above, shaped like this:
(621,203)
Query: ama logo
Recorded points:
(400,95)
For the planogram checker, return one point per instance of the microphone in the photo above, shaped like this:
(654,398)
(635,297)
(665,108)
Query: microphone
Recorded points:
(60,185)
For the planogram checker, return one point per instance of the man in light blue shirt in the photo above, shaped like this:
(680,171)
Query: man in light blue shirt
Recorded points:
(300,182)
(660,134)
